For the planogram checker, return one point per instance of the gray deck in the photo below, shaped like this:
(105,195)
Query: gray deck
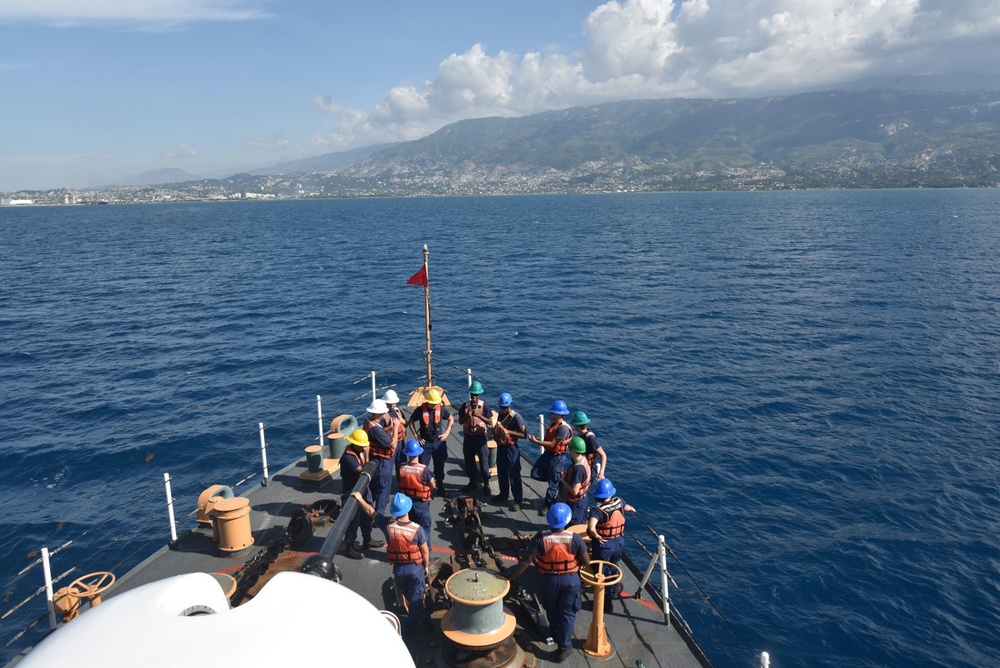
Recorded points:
(635,628)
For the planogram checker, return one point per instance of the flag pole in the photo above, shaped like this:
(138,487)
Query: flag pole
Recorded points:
(421,278)
(427,317)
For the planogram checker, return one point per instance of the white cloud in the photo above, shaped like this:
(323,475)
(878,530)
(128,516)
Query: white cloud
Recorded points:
(63,13)
(182,151)
(692,48)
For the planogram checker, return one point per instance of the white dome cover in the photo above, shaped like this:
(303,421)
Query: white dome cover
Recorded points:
(295,620)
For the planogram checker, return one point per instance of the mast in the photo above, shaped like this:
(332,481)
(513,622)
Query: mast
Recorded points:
(420,278)
(427,317)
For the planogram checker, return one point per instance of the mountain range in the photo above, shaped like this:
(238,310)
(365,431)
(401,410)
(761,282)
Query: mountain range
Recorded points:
(847,139)
(828,139)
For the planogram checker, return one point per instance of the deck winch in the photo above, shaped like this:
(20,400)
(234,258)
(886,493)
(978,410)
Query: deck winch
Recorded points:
(477,629)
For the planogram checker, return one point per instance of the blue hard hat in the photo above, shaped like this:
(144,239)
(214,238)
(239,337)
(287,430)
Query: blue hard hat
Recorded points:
(413,448)
(558,516)
(604,489)
(401,505)
(505,399)
(559,408)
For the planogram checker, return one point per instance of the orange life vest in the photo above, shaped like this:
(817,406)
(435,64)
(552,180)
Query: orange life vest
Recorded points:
(558,446)
(411,482)
(377,450)
(502,436)
(558,556)
(393,422)
(614,526)
(401,548)
(584,486)
(425,417)
(475,423)
(360,453)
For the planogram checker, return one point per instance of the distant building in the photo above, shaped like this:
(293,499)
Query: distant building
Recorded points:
(16,202)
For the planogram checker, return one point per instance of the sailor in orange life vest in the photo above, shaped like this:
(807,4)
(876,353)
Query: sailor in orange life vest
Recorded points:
(382,450)
(576,481)
(596,457)
(395,421)
(351,463)
(417,482)
(408,553)
(606,525)
(558,554)
(509,427)
(475,416)
(431,424)
(551,463)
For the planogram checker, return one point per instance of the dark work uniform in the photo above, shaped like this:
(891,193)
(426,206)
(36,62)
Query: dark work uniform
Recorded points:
(380,453)
(475,444)
(350,461)
(509,456)
(408,575)
(561,590)
(395,413)
(415,482)
(590,438)
(610,514)
(430,428)
(578,474)
(550,466)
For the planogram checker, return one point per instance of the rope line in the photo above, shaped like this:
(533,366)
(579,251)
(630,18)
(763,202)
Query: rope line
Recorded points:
(37,592)
(30,626)
(694,610)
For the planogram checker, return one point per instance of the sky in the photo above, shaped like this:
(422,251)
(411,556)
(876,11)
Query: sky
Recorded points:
(95,90)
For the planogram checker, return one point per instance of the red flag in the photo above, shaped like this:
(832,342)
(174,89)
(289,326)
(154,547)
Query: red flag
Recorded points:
(419,278)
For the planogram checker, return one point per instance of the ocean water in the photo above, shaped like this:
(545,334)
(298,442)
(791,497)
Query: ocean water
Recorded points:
(801,390)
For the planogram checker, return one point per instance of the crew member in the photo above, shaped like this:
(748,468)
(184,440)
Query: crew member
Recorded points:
(351,463)
(408,553)
(475,417)
(382,450)
(395,421)
(558,554)
(431,424)
(606,525)
(596,457)
(576,481)
(551,463)
(509,427)
(417,482)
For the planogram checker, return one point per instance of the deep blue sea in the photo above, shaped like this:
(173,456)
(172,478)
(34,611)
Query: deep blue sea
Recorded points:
(801,390)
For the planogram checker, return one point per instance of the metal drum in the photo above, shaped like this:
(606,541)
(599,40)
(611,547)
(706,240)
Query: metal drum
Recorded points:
(477,618)
(231,520)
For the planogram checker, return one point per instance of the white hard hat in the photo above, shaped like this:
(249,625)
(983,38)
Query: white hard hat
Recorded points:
(390,397)
(377,407)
